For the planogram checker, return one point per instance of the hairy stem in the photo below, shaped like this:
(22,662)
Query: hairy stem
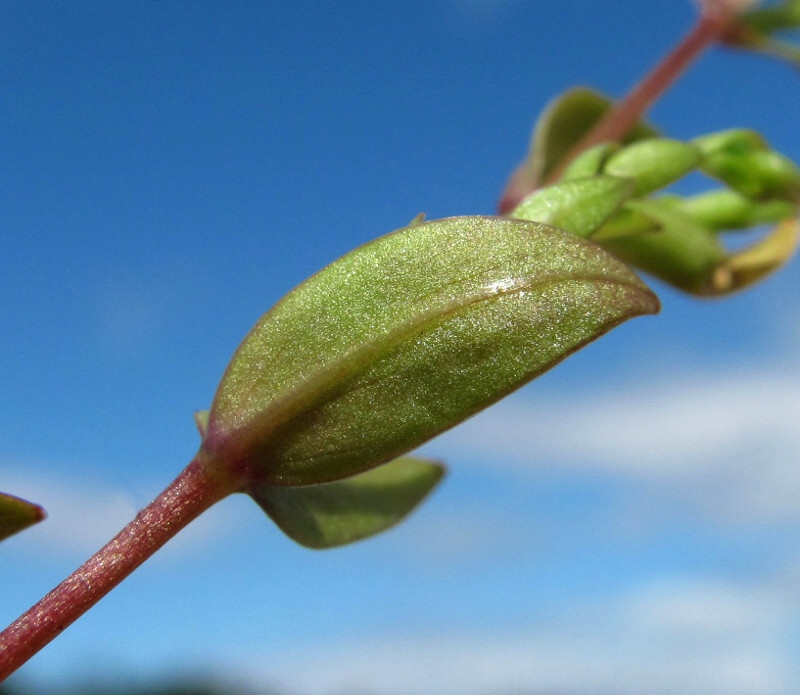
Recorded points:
(190,494)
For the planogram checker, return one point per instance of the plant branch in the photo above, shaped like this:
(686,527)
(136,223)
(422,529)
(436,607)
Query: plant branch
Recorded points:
(713,24)
(190,494)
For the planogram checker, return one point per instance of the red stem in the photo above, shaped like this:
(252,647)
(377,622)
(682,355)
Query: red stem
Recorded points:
(190,494)
(715,21)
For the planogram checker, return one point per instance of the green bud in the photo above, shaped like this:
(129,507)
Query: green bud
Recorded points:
(725,209)
(761,175)
(627,221)
(653,163)
(590,162)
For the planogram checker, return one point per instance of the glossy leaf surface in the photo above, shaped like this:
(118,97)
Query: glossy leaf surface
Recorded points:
(405,337)
(344,511)
(17,514)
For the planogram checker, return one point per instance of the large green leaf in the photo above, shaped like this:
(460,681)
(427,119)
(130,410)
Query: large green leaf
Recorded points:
(405,337)
(344,511)
(17,514)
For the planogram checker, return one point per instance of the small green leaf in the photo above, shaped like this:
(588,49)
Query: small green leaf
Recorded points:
(331,514)
(564,122)
(17,514)
(579,206)
(561,126)
(404,338)
(653,163)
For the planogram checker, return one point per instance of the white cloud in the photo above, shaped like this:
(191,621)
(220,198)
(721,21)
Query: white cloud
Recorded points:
(728,443)
(668,638)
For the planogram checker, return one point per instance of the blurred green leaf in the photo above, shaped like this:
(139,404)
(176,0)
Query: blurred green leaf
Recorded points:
(682,252)
(653,163)
(725,209)
(763,175)
(17,514)
(405,337)
(742,159)
(780,16)
(579,206)
(332,514)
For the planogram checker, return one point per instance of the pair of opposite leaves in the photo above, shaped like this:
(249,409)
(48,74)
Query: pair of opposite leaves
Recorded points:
(389,346)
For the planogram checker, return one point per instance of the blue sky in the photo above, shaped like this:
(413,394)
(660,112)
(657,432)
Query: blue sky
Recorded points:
(627,522)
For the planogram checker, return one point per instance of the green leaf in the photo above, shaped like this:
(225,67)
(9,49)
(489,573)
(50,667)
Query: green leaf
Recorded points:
(17,514)
(579,206)
(653,163)
(332,514)
(404,338)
